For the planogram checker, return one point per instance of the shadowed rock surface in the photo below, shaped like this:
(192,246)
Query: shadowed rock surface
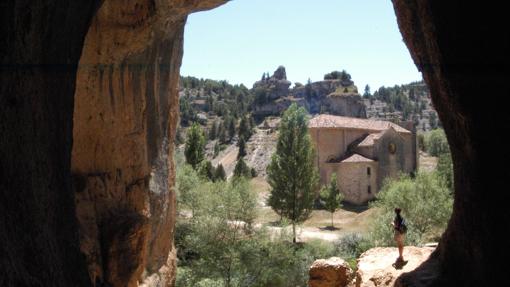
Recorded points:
(460,46)
(462,60)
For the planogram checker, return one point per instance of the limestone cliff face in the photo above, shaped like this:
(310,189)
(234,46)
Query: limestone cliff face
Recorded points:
(125,112)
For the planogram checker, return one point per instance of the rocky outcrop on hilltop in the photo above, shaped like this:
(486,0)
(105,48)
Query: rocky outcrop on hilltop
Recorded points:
(335,96)
(332,272)
(274,87)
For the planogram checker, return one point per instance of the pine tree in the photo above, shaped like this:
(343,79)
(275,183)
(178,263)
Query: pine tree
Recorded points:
(222,135)
(242,148)
(206,170)
(332,197)
(231,129)
(244,129)
(291,174)
(367,94)
(213,131)
(219,173)
(195,145)
(241,169)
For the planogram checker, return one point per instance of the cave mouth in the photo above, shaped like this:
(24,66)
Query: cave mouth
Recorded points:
(124,124)
(205,49)
(462,60)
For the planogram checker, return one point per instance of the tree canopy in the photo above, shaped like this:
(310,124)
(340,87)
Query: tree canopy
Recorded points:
(291,174)
(195,145)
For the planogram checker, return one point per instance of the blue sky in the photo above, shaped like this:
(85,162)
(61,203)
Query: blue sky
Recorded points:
(242,39)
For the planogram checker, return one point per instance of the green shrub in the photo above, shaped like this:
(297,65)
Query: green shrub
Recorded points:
(426,204)
(352,245)
(436,143)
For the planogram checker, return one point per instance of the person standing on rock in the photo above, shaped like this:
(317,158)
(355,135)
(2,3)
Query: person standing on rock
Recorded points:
(400,229)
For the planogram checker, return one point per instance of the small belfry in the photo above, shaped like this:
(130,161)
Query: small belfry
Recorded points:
(362,153)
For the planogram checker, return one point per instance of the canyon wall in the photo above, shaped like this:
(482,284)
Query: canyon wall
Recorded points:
(463,61)
(131,56)
(40,45)
(125,115)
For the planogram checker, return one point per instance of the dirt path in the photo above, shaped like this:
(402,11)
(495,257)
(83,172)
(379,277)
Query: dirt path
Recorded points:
(348,220)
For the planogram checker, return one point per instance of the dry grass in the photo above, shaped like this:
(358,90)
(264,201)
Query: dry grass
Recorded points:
(350,219)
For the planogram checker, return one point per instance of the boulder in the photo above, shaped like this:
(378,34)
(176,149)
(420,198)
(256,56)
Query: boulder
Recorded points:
(332,272)
(376,267)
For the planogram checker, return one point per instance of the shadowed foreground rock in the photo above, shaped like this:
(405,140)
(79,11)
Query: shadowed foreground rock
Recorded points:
(376,267)
(332,272)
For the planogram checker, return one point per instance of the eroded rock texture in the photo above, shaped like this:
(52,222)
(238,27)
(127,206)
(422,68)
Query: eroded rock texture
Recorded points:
(126,106)
(462,49)
(377,267)
(332,272)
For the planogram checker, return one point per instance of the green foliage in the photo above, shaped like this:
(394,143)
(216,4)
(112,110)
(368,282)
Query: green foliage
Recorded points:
(187,114)
(366,93)
(336,75)
(219,173)
(436,143)
(444,169)
(291,174)
(231,129)
(331,196)
(421,142)
(217,232)
(187,180)
(433,121)
(352,245)
(213,131)
(195,145)
(426,204)
(216,149)
(218,246)
(241,169)
(242,148)
(408,99)
(206,170)
(245,128)
(221,98)
(253,172)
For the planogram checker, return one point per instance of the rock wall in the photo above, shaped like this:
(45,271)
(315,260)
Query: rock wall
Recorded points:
(125,114)
(462,61)
(461,48)
(126,109)
(40,45)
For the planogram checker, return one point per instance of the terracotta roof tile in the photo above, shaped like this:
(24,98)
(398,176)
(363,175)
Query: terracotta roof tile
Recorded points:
(370,139)
(338,122)
(357,158)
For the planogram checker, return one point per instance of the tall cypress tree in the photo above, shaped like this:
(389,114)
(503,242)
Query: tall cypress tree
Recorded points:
(195,145)
(291,174)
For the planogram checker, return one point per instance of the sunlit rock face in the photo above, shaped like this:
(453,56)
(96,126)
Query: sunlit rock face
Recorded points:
(125,114)
(331,272)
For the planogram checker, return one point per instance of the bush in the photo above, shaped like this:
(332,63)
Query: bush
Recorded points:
(352,245)
(426,204)
(436,143)
(219,247)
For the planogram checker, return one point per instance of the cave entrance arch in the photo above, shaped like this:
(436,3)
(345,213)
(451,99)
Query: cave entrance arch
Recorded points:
(462,60)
